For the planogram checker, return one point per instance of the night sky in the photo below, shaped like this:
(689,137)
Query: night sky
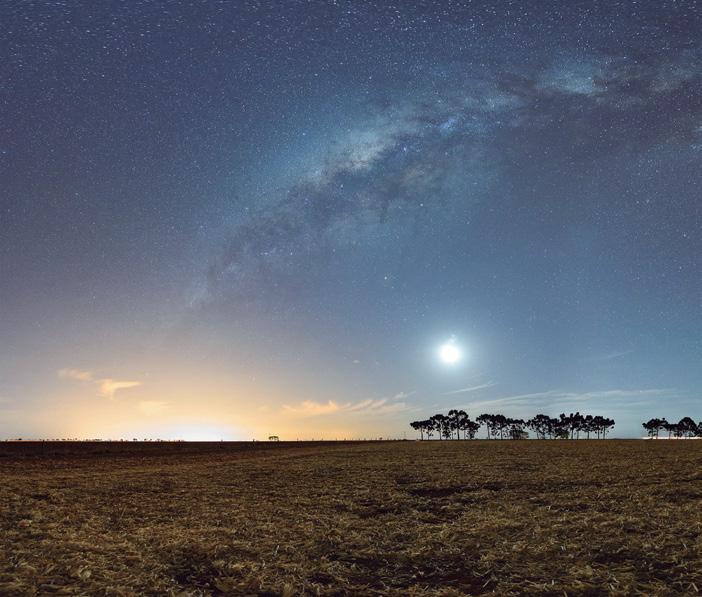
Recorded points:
(224,220)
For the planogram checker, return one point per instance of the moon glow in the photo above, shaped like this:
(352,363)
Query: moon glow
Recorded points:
(449,353)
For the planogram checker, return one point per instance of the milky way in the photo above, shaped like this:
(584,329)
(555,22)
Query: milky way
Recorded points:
(451,141)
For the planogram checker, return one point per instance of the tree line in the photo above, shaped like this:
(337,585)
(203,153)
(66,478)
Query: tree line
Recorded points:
(458,425)
(685,427)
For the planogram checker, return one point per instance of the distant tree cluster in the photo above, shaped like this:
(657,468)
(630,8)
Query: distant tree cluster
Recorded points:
(458,425)
(685,427)
(570,426)
(445,426)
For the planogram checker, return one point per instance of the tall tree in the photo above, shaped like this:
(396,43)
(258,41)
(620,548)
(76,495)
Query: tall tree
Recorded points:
(442,425)
(539,425)
(438,424)
(607,424)
(470,428)
(429,427)
(671,428)
(562,427)
(487,420)
(515,429)
(576,424)
(687,427)
(650,427)
(501,424)
(446,427)
(653,426)
(662,424)
(456,419)
(416,426)
(597,422)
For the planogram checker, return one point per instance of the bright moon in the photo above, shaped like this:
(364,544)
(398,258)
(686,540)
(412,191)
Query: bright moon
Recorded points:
(449,353)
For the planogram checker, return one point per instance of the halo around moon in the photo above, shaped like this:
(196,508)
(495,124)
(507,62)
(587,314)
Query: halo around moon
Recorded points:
(450,353)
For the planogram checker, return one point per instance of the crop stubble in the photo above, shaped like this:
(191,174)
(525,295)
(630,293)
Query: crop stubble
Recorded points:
(396,518)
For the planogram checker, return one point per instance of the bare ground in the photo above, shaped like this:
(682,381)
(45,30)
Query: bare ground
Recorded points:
(387,518)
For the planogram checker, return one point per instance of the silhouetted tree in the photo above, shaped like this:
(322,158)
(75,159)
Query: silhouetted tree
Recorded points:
(461,420)
(470,428)
(501,423)
(588,425)
(418,426)
(687,427)
(541,425)
(562,427)
(467,426)
(653,426)
(437,424)
(576,422)
(486,420)
(515,429)
(456,420)
(442,425)
(446,427)
(607,424)
(671,428)
(597,423)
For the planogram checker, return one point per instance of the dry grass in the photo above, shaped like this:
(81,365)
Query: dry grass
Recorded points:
(396,518)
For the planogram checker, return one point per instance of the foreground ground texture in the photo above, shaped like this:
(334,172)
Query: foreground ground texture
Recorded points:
(395,518)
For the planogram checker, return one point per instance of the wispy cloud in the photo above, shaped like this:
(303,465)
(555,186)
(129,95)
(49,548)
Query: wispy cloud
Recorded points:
(310,408)
(610,355)
(77,374)
(376,406)
(471,389)
(403,395)
(558,397)
(106,386)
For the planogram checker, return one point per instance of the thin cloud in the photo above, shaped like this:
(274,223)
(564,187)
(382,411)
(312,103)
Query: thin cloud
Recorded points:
(77,374)
(611,355)
(379,406)
(554,397)
(310,408)
(471,389)
(106,386)
(404,395)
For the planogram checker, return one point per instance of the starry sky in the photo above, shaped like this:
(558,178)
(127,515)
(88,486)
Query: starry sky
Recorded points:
(232,219)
